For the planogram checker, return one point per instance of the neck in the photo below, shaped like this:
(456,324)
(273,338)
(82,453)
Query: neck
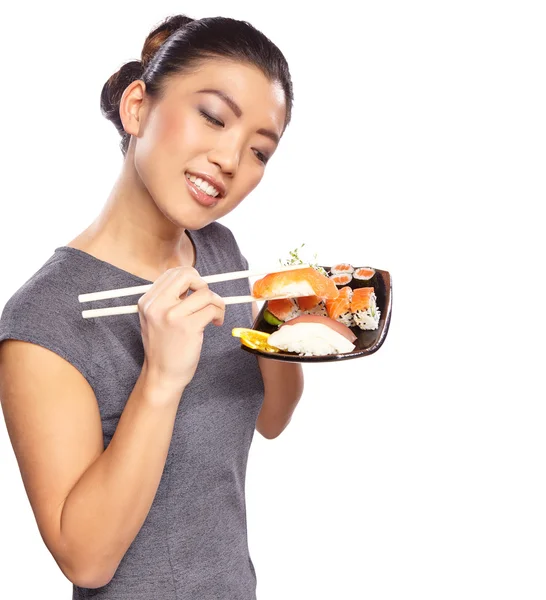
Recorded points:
(131,230)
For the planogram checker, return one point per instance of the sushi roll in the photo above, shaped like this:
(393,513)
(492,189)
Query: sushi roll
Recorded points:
(309,335)
(364,308)
(339,309)
(341,279)
(299,282)
(363,276)
(280,311)
(342,269)
(311,305)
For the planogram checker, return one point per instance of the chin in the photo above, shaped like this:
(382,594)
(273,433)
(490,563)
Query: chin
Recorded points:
(191,219)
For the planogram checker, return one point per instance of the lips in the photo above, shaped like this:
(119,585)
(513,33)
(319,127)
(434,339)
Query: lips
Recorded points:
(211,180)
(200,196)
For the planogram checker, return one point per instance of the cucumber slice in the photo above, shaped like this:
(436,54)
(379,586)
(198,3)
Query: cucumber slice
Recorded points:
(271,318)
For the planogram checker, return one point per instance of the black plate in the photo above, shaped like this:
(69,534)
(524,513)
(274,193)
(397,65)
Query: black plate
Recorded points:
(367,341)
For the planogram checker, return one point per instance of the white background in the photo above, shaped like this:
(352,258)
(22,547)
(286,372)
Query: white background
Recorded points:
(417,146)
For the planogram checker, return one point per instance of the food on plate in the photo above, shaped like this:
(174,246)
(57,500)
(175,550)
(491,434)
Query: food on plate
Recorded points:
(341,279)
(339,309)
(365,274)
(279,311)
(313,335)
(299,282)
(364,308)
(322,313)
(252,338)
(311,305)
(342,269)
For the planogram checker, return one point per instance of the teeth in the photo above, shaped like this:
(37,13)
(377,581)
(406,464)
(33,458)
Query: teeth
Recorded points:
(203,185)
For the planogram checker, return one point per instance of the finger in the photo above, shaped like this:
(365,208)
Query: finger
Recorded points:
(187,278)
(176,283)
(208,314)
(160,283)
(155,290)
(196,302)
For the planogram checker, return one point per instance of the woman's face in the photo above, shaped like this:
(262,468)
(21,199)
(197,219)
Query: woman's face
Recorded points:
(218,125)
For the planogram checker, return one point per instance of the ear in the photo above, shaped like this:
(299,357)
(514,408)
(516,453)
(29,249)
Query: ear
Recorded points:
(131,107)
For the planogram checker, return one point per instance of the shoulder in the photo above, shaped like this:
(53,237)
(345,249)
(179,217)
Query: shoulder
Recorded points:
(50,289)
(45,310)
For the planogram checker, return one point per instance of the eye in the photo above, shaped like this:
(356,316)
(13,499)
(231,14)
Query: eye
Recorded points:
(210,119)
(262,157)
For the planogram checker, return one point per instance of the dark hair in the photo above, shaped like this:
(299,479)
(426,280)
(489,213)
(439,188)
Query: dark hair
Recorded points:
(178,43)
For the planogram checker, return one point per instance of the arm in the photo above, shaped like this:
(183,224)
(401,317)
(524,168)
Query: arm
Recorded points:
(283,383)
(89,503)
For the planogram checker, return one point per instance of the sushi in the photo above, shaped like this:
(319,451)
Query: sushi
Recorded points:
(363,276)
(311,305)
(341,278)
(299,282)
(364,309)
(311,335)
(339,309)
(342,269)
(282,310)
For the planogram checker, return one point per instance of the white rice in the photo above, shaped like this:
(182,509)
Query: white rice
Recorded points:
(310,339)
(319,309)
(346,319)
(368,319)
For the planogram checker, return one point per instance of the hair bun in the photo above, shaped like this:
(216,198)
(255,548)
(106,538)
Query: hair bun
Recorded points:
(159,35)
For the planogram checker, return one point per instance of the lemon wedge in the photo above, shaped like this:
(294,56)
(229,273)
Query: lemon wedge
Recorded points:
(252,338)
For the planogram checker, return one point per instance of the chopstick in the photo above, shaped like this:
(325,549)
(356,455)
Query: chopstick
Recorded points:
(125,310)
(141,289)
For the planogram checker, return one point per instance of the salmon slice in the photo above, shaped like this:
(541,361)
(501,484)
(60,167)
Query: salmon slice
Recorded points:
(340,305)
(341,279)
(299,282)
(361,299)
(308,302)
(341,268)
(283,309)
(364,273)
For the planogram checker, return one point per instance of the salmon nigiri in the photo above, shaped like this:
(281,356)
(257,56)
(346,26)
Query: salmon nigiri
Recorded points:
(298,282)
(340,308)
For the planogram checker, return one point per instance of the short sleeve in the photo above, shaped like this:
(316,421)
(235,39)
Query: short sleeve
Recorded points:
(41,319)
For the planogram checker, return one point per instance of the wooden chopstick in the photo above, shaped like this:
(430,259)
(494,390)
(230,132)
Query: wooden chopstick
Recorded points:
(141,289)
(125,310)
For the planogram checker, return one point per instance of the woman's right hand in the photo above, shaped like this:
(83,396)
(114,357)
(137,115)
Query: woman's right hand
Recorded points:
(172,325)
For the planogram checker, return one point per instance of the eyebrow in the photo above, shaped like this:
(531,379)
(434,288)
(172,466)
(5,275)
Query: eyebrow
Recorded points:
(238,112)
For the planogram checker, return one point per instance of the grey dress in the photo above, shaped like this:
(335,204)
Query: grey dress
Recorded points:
(193,543)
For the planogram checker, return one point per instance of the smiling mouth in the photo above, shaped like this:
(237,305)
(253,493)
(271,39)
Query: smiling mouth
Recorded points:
(204,186)
(200,196)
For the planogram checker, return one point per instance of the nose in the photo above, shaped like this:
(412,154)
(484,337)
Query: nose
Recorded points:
(226,156)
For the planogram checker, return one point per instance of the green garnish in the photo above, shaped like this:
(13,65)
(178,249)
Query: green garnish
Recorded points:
(296,260)
(270,318)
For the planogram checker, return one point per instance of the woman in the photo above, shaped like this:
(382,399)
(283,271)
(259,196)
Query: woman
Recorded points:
(132,432)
